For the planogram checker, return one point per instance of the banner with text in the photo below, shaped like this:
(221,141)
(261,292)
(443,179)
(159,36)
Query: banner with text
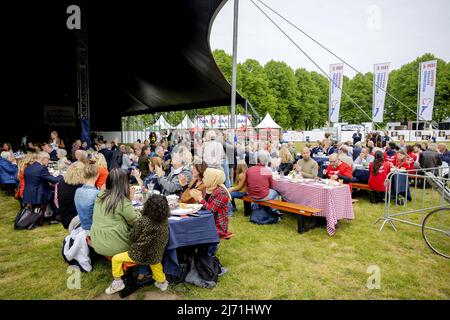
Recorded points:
(336,82)
(222,121)
(427,88)
(292,136)
(380,80)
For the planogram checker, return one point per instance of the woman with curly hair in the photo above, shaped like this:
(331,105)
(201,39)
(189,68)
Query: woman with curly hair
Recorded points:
(149,238)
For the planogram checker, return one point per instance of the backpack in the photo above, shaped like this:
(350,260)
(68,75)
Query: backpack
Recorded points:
(28,218)
(263,215)
(208,267)
(185,256)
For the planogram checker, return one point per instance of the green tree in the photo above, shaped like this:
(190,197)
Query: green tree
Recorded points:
(283,84)
(360,90)
(254,85)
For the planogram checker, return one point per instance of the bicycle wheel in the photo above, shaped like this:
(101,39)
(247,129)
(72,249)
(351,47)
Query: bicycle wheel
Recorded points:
(436,231)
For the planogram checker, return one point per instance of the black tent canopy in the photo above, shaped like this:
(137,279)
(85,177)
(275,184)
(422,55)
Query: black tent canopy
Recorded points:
(144,57)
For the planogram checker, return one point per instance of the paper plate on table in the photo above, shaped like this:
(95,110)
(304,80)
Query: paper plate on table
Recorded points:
(193,206)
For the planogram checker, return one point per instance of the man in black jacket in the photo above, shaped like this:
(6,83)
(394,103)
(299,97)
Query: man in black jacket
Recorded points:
(357,136)
(116,158)
(106,153)
(430,158)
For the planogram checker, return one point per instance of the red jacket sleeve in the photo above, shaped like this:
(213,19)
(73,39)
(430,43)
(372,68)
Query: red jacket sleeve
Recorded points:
(347,171)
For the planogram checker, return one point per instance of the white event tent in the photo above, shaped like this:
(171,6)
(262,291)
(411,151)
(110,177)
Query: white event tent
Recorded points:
(162,124)
(268,123)
(185,124)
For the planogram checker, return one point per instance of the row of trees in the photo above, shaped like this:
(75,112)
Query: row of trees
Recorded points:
(298,99)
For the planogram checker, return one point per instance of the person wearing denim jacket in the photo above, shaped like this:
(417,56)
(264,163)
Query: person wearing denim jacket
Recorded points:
(86,195)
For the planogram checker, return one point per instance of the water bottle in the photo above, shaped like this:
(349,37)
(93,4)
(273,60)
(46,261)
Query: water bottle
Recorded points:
(150,187)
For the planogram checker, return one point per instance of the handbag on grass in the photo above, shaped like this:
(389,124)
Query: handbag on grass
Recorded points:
(29,218)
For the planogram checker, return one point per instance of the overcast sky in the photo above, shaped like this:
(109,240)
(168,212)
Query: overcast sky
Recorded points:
(361,32)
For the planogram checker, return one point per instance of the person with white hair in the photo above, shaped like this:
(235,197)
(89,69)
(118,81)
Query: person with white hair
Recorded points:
(430,158)
(37,191)
(63,162)
(343,155)
(171,183)
(212,151)
(260,182)
(8,170)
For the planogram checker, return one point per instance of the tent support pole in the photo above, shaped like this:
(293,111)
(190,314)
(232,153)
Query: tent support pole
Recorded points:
(233,78)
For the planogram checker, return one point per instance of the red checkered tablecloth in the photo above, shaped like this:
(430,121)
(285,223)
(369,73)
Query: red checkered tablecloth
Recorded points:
(335,202)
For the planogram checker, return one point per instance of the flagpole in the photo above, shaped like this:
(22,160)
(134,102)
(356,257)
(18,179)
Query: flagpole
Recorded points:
(373,95)
(418,96)
(233,77)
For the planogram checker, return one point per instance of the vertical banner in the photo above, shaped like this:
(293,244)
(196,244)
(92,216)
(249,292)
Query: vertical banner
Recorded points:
(427,88)
(380,80)
(336,82)
(86,131)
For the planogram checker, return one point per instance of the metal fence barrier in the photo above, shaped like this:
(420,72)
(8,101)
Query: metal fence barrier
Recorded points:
(413,193)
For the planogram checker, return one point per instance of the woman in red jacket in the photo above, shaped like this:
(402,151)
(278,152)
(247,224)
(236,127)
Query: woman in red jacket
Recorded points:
(411,156)
(379,170)
(401,161)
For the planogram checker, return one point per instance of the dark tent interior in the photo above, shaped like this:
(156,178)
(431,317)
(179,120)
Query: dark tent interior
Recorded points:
(144,57)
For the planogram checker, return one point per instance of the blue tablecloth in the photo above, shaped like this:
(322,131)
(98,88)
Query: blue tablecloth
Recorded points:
(188,232)
(400,186)
(320,160)
(361,176)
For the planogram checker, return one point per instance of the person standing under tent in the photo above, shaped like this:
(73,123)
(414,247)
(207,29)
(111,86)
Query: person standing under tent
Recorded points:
(357,136)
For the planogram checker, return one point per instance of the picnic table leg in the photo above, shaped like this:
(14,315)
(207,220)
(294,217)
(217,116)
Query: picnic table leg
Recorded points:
(131,284)
(300,224)
(247,208)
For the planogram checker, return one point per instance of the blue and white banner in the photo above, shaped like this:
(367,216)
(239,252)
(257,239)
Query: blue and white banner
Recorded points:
(427,88)
(336,82)
(223,121)
(380,80)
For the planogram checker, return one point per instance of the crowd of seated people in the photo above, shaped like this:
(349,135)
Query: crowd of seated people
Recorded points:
(93,190)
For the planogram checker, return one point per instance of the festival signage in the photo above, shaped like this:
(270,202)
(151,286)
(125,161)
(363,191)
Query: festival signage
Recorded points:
(336,82)
(222,121)
(380,80)
(427,83)
(292,136)
(59,116)
(352,127)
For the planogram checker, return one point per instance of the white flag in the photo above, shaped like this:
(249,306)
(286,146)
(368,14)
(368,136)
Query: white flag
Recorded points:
(427,83)
(380,80)
(336,82)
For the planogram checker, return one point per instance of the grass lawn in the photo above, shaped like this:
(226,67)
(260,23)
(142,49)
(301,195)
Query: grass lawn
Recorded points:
(265,262)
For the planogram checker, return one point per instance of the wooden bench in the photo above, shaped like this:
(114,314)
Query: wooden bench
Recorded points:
(131,284)
(362,186)
(301,211)
(126,265)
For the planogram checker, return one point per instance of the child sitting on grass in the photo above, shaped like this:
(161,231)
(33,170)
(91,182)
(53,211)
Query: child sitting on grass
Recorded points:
(148,237)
